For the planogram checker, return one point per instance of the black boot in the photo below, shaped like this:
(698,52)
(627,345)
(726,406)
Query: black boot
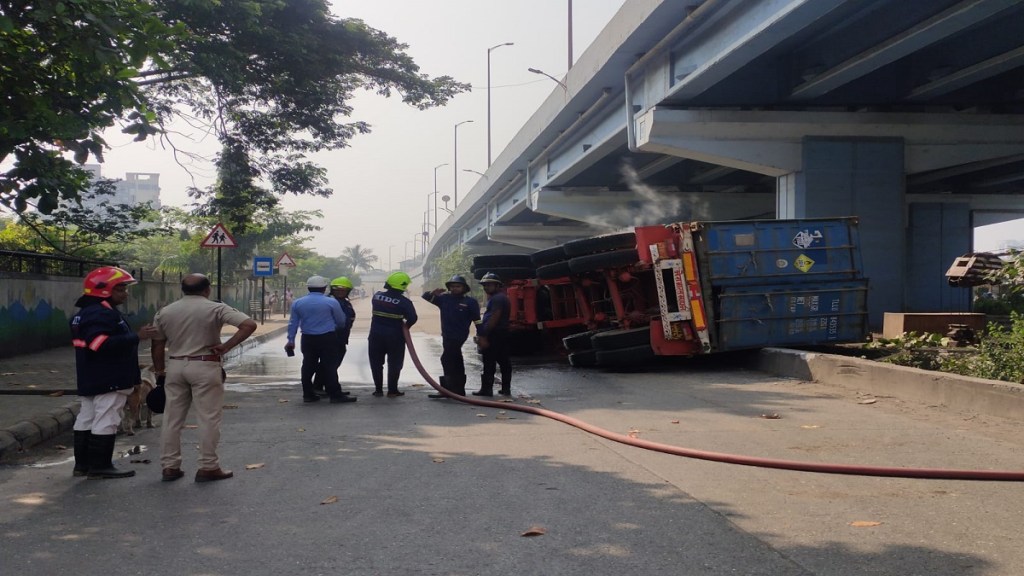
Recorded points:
(459,386)
(101,458)
(486,387)
(82,452)
(444,384)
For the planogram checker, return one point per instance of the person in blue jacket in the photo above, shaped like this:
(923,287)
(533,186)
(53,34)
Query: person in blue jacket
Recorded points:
(391,311)
(492,338)
(107,367)
(459,311)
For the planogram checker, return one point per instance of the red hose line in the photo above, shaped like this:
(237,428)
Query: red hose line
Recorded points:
(928,473)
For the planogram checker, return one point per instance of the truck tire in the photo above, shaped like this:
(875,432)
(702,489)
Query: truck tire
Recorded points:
(506,274)
(603,261)
(552,271)
(616,339)
(502,261)
(583,359)
(548,256)
(597,244)
(579,342)
(624,357)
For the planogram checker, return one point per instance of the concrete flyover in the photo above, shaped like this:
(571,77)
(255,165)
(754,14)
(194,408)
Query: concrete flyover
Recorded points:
(909,115)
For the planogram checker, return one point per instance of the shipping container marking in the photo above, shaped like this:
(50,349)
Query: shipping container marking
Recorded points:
(805,239)
(803,263)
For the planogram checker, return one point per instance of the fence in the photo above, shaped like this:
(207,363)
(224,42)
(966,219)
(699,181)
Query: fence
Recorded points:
(46,264)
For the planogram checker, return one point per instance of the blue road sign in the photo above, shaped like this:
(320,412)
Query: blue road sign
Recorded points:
(262,266)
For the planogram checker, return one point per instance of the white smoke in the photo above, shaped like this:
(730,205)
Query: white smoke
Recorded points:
(648,206)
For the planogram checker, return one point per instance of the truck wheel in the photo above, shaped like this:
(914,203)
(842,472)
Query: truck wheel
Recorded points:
(603,261)
(579,342)
(552,271)
(596,244)
(502,261)
(623,357)
(615,339)
(548,256)
(506,274)
(583,359)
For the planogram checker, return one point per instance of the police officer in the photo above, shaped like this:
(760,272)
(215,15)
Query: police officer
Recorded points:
(320,317)
(107,366)
(493,338)
(458,312)
(391,310)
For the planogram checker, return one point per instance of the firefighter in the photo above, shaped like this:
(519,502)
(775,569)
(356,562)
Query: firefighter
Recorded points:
(107,366)
(493,338)
(340,289)
(391,311)
(458,312)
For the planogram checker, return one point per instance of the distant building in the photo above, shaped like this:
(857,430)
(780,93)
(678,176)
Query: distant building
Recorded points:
(136,188)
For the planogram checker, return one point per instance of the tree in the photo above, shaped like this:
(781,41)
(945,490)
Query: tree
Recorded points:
(271,78)
(358,258)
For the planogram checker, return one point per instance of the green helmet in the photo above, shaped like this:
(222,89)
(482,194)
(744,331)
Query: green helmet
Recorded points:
(399,281)
(341,282)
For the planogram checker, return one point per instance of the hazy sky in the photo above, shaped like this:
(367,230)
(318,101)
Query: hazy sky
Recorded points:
(382,181)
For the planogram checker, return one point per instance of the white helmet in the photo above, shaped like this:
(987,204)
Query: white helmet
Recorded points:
(317,282)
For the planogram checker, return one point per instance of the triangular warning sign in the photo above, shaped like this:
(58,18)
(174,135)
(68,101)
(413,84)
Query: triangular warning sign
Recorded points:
(219,237)
(285,260)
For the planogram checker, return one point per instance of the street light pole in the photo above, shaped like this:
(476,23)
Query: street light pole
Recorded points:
(455,168)
(435,193)
(489,97)
(543,73)
(570,36)
(389,257)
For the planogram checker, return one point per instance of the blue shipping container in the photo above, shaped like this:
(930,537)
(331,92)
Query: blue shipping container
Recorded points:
(790,314)
(742,253)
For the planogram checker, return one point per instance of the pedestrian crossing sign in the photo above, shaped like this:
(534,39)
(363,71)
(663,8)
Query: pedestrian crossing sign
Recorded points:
(219,237)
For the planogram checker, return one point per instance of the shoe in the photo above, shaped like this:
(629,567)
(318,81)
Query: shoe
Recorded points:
(378,393)
(171,474)
(310,398)
(343,399)
(436,396)
(505,392)
(395,394)
(483,393)
(345,393)
(213,475)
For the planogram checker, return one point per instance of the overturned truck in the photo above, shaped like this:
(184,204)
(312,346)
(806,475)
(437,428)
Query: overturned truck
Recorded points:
(690,288)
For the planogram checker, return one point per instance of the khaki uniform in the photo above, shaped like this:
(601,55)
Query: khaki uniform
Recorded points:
(191,326)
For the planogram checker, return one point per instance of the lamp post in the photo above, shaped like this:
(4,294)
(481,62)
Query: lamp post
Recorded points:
(435,193)
(455,168)
(543,73)
(570,36)
(480,174)
(489,96)
(389,257)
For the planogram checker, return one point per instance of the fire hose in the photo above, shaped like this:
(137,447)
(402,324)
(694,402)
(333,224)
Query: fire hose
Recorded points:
(823,468)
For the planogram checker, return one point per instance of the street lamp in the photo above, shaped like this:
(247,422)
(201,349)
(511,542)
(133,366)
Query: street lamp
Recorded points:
(489,96)
(445,199)
(481,174)
(543,73)
(435,193)
(455,168)
(389,256)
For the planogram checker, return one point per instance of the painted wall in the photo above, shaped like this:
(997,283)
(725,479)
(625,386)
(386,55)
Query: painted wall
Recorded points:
(35,310)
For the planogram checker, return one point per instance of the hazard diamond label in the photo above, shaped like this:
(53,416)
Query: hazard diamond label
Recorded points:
(803,263)
(219,237)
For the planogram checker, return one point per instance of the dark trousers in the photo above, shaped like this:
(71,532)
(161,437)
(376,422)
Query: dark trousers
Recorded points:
(496,355)
(320,358)
(393,349)
(453,365)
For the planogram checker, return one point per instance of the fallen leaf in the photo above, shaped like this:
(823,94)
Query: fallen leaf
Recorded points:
(634,433)
(438,460)
(864,524)
(53,371)
(191,426)
(56,394)
(772,416)
(675,422)
(481,415)
(8,374)
(868,401)
(535,531)
(230,406)
(506,400)
(254,466)
(501,417)
(282,400)
(329,500)
(416,385)
(300,429)
(533,401)
(60,447)
(810,426)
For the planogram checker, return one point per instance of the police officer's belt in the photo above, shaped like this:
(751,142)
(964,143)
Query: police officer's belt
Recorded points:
(206,358)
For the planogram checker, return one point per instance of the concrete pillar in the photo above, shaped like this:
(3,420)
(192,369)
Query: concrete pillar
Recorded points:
(937,233)
(861,177)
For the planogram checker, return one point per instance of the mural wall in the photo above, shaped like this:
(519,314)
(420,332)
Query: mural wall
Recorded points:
(34,311)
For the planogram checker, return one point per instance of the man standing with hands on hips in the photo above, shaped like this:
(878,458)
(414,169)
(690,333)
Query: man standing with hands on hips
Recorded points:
(188,350)
(320,317)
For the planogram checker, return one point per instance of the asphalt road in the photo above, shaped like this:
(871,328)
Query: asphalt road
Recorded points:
(418,486)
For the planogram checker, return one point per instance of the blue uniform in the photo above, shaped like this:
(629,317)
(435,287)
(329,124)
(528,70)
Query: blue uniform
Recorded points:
(458,313)
(106,348)
(497,353)
(391,310)
(320,317)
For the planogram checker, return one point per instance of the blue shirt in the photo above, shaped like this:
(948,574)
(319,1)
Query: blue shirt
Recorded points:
(457,313)
(498,307)
(316,314)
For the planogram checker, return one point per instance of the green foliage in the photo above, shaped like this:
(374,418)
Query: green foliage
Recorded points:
(358,258)
(911,349)
(1000,354)
(458,261)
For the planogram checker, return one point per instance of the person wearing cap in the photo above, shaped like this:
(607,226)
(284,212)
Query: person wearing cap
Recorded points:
(187,352)
(492,338)
(107,368)
(391,312)
(320,317)
(459,311)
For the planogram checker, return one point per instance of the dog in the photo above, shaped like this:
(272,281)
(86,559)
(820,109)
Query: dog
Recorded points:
(135,408)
